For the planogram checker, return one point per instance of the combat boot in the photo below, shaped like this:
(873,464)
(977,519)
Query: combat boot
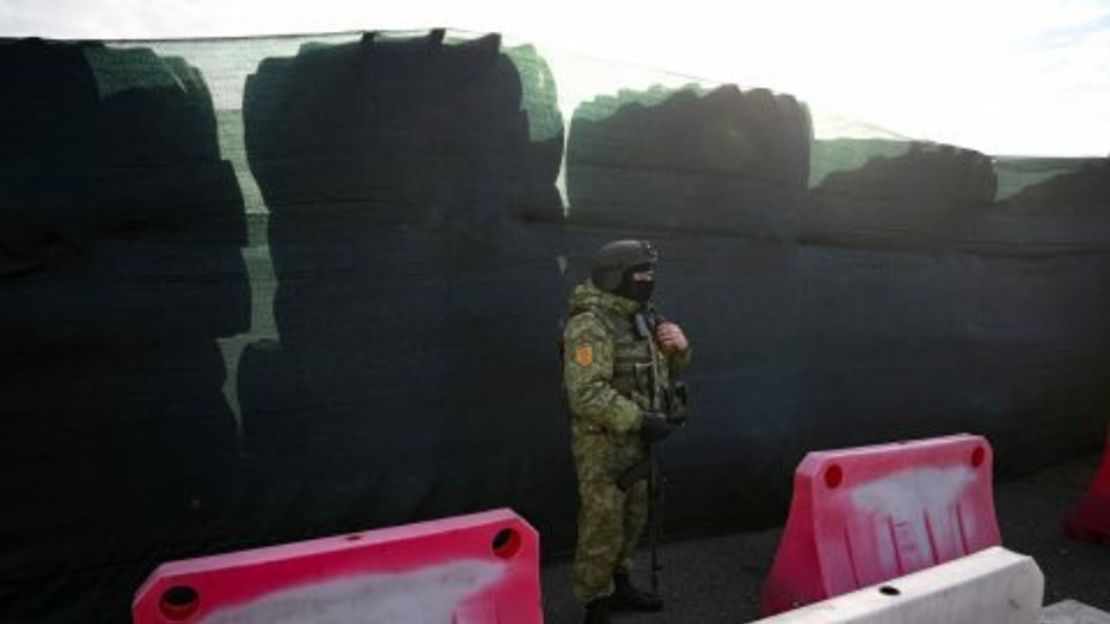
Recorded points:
(627,598)
(597,611)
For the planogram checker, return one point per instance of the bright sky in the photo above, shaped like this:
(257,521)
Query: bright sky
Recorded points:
(1001,76)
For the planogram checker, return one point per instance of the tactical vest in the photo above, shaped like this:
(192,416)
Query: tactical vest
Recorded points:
(632,372)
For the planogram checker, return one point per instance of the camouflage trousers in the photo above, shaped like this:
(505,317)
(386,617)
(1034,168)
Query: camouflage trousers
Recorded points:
(610,522)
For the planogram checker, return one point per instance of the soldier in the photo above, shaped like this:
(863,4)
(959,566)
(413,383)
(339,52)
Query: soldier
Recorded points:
(619,355)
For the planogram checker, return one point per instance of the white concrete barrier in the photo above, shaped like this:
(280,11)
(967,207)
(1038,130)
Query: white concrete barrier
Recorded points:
(993,586)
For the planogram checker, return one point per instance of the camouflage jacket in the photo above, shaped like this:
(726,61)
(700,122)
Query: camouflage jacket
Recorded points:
(604,364)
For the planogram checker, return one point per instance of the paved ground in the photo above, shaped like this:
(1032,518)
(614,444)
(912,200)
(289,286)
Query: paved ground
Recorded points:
(716,580)
(1072,612)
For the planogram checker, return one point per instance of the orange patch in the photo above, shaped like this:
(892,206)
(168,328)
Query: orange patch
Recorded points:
(584,355)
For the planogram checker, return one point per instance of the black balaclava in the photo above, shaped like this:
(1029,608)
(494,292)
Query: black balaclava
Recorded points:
(639,291)
(614,263)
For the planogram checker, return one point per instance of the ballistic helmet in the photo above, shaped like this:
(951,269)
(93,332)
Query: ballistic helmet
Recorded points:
(614,262)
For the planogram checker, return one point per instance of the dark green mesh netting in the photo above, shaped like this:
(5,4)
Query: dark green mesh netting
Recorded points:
(260,290)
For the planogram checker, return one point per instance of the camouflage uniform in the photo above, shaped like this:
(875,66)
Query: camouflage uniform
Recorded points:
(607,397)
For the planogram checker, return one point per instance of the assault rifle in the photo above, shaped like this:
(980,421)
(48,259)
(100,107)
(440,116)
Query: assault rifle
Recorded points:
(673,403)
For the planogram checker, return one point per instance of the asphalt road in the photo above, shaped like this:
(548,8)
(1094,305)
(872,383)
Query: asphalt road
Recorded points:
(716,580)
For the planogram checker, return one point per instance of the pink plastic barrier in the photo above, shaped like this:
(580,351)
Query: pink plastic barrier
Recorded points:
(476,569)
(1090,520)
(866,515)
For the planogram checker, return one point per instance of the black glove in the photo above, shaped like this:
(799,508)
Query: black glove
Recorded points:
(654,426)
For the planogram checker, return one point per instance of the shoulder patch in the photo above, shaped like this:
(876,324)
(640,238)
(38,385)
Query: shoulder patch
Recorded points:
(584,354)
